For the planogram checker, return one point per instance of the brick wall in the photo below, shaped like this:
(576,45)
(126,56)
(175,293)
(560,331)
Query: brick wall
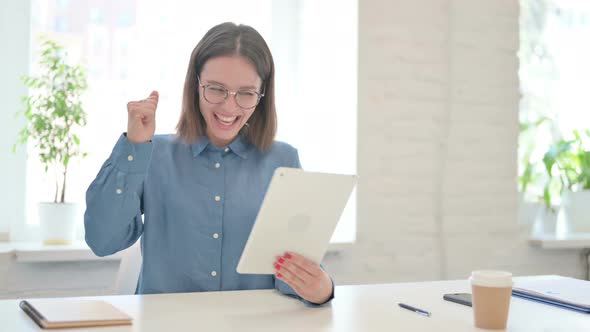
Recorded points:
(438,128)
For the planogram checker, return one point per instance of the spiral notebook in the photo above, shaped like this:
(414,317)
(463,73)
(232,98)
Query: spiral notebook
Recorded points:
(70,312)
(564,292)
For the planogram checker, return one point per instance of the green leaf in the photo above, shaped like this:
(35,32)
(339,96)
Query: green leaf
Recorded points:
(555,152)
(547,196)
(526,177)
(577,136)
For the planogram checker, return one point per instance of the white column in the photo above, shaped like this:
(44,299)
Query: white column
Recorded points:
(14,62)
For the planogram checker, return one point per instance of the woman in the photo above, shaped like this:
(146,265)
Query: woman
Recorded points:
(200,190)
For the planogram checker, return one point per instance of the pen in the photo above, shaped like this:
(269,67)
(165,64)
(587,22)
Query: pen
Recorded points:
(414,309)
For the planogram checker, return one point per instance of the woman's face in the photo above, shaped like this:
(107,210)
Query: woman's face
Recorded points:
(225,119)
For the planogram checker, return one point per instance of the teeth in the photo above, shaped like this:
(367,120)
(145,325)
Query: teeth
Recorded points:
(227,120)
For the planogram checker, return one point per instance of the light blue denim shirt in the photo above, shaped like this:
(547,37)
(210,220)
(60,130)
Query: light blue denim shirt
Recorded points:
(199,204)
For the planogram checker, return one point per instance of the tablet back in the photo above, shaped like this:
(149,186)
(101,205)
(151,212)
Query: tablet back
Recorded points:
(298,214)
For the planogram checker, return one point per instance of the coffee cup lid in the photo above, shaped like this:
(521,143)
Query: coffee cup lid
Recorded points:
(491,278)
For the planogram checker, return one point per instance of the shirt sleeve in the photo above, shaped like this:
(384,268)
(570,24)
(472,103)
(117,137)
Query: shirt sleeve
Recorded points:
(296,163)
(112,220)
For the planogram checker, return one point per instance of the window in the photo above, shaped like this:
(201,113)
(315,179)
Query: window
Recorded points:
(553,70)
(132,47)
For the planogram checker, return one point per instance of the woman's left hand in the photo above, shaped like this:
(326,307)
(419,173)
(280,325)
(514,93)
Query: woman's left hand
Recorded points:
(306,278)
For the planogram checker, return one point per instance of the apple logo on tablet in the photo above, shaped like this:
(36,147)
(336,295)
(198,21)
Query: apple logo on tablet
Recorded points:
(299,223)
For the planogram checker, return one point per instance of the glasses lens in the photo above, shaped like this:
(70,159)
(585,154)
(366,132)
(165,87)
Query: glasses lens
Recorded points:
(215,94)
(247,98)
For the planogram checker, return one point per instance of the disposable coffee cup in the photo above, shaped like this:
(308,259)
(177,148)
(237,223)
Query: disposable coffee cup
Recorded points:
(491,293)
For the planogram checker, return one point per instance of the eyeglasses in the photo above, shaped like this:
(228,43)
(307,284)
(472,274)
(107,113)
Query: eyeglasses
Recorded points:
(217,94)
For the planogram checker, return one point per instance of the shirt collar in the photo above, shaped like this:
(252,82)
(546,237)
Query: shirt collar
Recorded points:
(238,146)
(199,146)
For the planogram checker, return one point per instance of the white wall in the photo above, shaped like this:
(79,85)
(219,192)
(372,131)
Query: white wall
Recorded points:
(55,279)
(438,126)
(14,62)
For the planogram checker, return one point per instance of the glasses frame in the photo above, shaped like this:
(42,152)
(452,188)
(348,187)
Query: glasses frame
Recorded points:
(228,92)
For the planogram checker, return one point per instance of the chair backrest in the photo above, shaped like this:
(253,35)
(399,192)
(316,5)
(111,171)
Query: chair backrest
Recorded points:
(129,270)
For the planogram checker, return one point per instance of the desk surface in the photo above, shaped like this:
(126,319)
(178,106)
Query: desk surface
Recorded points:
(355,308)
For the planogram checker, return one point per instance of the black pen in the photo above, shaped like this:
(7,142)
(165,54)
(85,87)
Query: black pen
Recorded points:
(414,309)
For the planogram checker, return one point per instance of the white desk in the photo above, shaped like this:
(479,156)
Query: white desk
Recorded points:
(355,308)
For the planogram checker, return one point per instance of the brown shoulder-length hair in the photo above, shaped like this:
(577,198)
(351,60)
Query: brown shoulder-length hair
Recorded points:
(228,39)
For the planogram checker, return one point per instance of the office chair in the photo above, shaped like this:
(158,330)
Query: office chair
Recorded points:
(129,270)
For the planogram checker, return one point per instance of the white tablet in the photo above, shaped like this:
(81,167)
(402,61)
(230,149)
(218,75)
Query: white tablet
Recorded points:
(298,214)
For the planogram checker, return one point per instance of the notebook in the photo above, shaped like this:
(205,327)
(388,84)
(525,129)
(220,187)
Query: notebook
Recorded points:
(564,292)
(64,312)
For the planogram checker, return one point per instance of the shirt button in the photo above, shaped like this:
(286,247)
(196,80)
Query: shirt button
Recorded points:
(217,165)
(226,150)
(213,273)
(119,191)
(130,157)
(215,235)
(217,198)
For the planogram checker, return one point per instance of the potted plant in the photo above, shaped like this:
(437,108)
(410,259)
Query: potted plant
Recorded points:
(527,141)
(530,177)
(53,110)
(567,163)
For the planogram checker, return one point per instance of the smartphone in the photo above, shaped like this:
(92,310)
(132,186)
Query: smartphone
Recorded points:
(461,298)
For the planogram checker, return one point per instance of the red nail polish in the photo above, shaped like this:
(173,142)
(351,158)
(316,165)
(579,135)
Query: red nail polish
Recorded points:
(281,260)
(288,255)
(279,275)
(277,267)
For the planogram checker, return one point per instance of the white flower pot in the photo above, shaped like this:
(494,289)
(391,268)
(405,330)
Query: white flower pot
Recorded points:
(576,211)
(58,222)
(528,212)
(545,222)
